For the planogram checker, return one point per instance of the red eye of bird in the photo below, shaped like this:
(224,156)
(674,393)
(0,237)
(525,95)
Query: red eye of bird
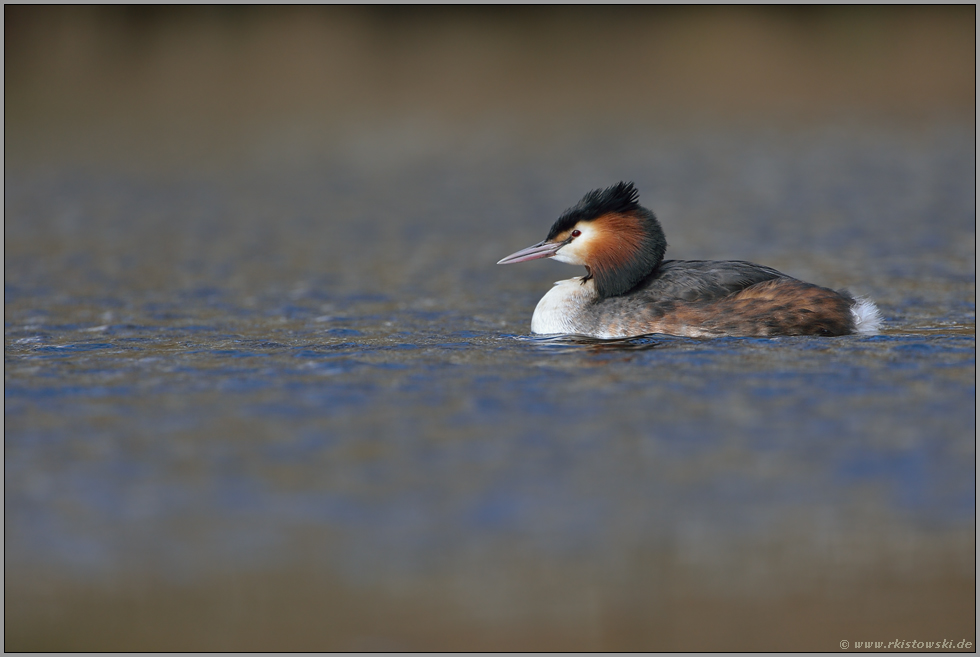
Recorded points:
(576,233)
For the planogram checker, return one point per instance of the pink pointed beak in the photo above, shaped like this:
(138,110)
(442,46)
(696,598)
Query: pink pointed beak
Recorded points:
(543,249)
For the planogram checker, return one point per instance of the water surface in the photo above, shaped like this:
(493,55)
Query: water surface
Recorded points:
(292,404)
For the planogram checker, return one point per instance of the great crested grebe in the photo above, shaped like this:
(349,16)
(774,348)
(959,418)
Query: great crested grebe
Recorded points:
(629,289)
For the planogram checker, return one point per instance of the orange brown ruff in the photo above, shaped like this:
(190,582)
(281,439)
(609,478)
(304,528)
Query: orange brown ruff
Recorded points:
(631,290)
(619,240)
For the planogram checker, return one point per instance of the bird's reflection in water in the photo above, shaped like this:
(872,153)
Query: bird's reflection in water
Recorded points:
(579,343)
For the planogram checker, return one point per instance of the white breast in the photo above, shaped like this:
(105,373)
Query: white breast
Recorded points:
(560,307)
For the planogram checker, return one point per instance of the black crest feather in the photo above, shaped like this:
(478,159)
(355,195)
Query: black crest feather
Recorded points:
(621,198)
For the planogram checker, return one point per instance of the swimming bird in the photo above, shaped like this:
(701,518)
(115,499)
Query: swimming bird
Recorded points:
(629,289)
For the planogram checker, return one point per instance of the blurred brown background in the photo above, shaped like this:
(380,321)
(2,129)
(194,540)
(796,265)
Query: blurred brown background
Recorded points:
(192,82)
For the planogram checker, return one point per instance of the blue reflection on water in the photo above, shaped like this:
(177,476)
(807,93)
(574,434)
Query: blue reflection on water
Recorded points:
(215,420)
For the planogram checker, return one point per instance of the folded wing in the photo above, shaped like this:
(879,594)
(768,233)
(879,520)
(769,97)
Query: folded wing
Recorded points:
(704,280)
